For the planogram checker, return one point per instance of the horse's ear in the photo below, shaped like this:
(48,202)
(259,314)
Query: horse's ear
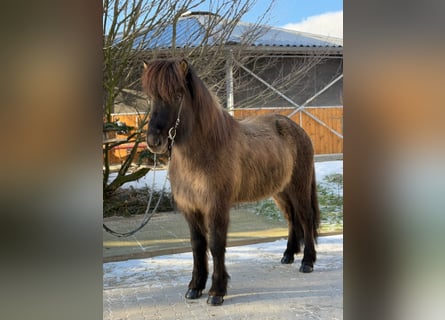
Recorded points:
(184,65)
(145,65)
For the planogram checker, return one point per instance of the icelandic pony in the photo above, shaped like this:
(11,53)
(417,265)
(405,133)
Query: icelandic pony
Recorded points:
(217,161)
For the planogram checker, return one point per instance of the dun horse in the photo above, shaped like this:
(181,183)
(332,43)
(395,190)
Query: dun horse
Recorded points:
(217,161)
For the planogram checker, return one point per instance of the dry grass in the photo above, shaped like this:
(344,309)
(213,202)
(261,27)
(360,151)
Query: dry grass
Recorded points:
(131,201)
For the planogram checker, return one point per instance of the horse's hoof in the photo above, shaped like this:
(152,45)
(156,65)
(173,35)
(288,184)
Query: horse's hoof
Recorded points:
(215,300)
(287,259)
(193,294)
(305,268)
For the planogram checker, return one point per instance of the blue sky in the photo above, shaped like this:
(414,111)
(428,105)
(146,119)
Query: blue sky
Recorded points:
(316,16)
(293,11)
(324,17)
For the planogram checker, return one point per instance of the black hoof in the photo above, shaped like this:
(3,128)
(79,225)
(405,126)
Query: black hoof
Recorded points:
(193,294)
(215,300)
(305,268)
(287,259)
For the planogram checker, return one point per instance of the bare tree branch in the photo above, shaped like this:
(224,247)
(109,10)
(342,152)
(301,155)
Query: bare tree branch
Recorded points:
(134,30)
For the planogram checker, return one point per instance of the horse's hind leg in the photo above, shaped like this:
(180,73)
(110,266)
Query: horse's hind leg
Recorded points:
(199,246)
(307,215)
(309,256)
(300,213)
(295,235)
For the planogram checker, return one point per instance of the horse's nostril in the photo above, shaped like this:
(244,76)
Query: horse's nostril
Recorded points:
(153,141)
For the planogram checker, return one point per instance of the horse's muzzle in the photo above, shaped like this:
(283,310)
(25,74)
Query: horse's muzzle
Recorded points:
(157,144)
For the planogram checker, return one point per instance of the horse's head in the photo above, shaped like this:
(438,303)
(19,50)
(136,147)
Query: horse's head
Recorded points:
(164,81)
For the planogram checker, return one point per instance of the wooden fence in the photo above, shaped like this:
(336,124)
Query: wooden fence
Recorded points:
(324,139)
(118,154)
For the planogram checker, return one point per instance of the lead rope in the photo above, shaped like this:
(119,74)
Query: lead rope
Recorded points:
(147,215)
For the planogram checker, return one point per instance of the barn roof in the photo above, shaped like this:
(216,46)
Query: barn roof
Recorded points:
(190,32)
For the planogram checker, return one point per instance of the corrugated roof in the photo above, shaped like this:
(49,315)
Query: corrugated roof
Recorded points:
(279,37)
(191,30)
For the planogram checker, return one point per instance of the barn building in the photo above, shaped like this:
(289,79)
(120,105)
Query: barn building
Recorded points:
(264,69)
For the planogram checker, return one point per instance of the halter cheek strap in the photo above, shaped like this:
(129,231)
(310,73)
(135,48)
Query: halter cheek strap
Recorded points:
(172,131)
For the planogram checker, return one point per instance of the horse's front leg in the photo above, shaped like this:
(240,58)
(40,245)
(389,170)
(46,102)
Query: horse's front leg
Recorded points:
(218,227)
(199,247)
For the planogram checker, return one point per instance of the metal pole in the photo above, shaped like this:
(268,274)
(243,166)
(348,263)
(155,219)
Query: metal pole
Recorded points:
(268,85)
(229,81)
(322,123)
(330,84)
(298,107)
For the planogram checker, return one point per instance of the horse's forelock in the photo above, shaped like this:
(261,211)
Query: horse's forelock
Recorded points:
(163,79)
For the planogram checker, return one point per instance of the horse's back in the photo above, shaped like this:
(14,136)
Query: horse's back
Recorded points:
(268,149)
(276,127)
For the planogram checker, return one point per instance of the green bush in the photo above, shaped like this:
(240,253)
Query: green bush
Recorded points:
(269,209)
(330,199)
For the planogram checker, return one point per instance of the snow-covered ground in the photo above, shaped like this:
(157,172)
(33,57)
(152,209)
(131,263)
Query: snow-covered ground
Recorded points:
(260,286)
(136,272)
(322,169)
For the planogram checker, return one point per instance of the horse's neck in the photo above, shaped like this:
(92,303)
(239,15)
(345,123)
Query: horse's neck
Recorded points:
(200,143)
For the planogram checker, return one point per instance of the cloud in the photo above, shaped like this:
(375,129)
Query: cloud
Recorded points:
(329,24)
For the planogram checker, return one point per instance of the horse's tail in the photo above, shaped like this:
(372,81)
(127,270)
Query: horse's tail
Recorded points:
(315,207)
